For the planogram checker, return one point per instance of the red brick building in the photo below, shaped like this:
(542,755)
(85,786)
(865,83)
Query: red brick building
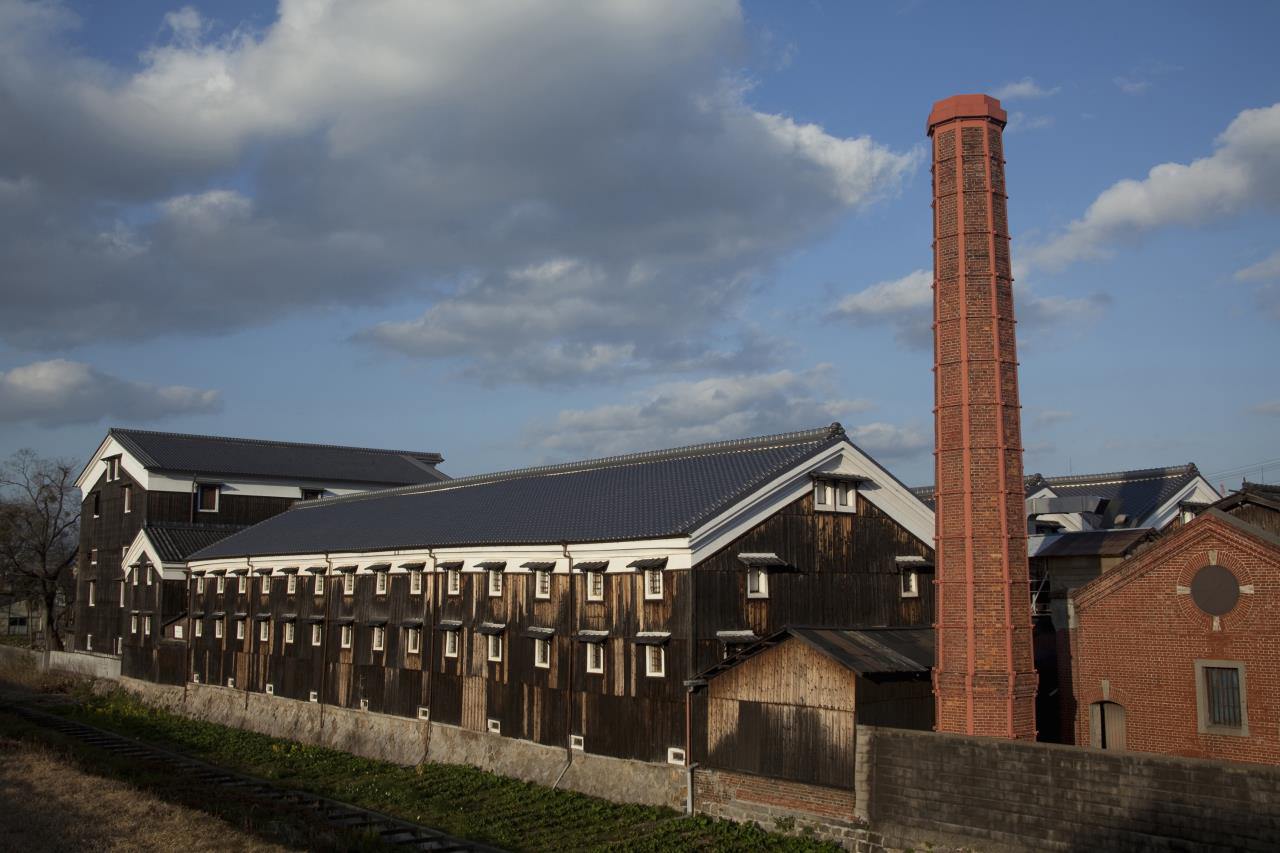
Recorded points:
(1178,649)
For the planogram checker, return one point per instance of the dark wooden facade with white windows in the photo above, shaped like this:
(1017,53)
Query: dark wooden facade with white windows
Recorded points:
(137,478)
(520,628)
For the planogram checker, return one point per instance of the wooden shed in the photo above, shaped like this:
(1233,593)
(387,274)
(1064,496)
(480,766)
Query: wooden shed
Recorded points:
(788,706)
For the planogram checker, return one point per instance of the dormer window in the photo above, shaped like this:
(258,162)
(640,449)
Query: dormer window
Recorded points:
(207,495)
(835,493)
(910,584)
(909,569)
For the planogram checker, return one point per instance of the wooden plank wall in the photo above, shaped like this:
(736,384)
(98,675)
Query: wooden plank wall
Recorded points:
(787,712)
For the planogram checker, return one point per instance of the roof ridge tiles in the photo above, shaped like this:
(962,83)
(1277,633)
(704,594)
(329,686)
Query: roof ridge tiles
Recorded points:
(231,439)
(1130,475)
(831,432)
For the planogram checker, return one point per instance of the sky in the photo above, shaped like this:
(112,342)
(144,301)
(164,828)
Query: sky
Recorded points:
(518,233)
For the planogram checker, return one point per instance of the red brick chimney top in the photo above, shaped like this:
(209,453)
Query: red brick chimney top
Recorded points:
(966,106)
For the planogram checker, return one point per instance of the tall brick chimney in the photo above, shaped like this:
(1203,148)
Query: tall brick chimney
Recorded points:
(984,679)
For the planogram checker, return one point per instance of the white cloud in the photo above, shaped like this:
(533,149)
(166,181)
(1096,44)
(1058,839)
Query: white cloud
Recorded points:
(1024,89)
(65,392)
(678,413)
(1264,270)
(375,153)
(890,441)
(1049,417)
(1243,172)
(1020,121)
(1132,85)
(905,305)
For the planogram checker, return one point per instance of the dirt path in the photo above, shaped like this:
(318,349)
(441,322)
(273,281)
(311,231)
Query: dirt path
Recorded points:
(47,803)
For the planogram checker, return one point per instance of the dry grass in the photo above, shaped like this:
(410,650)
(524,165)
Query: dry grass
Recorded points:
(47,803)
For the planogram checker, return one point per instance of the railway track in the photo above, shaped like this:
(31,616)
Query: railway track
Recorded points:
(391,831)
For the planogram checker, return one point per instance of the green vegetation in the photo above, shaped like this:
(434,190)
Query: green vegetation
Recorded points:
(459,800)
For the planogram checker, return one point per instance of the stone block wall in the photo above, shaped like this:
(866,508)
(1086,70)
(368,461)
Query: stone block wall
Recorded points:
(995,794)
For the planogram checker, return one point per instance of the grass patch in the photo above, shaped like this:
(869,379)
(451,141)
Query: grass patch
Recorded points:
(459,800)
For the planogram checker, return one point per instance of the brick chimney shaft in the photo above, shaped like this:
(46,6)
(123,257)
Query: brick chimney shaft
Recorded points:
(984,678)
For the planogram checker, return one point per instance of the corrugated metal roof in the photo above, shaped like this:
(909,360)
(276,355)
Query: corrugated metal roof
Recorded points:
(1093,543)
(866,651)
(642,496)
(1135,494)
(175,541)
(250,457)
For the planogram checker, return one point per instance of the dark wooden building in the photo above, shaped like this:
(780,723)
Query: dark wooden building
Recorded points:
(789,706)
(138,477)
(565,605)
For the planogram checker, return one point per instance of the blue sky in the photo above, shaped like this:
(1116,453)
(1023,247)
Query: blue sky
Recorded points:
(525,233)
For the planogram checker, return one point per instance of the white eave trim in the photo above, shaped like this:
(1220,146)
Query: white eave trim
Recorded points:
(881,489)
(1198,489)
(142,546)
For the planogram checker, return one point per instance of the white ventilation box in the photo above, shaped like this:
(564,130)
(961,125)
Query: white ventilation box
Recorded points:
(495,727)
(315,696)
(575,742)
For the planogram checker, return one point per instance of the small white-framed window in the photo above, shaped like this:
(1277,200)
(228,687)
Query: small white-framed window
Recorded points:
(200,585)
(222,584)
(147,572)
(757,582)
(576,742)
(242,583)
(177,631)
(379,638)
(199,623)
(655,661)
(217,629)
(146,626)
(346,636)
(93,556)
(495,648)
(313,696)
(675,755)
(289,632)
(119,645)
(93,591)
(318,582)
(595,658)
(495,583)
(453,581)
(846,496)
(88,642)
(909,584)
(380,583)
(317,634)
(207,497)
(96,499)
(126,492)
(291,584)
(542,653)
(239,629)
(424,713)
(412,641)
(349,583)
(542,583)
(415,583)
(494,726)
(271,689)
(822,495)
(133,624)
(113,468)
(122,593)
(264,631)
(652,584)
(364,704)
(451,644)
(595,586)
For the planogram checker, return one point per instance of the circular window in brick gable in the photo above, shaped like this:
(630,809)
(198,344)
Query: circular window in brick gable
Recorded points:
(1215,590)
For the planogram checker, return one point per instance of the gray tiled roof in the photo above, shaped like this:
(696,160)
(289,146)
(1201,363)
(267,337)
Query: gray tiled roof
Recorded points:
(1135,494)
(641,496)
(175,541)
(250,457)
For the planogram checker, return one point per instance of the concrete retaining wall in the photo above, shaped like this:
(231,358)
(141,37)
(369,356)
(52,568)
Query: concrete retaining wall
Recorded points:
(81,663)
(407,741)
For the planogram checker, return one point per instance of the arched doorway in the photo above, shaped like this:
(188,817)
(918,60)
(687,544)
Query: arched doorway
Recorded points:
(1107,725)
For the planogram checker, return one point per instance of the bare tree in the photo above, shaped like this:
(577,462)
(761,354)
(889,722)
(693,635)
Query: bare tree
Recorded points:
(39,528)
